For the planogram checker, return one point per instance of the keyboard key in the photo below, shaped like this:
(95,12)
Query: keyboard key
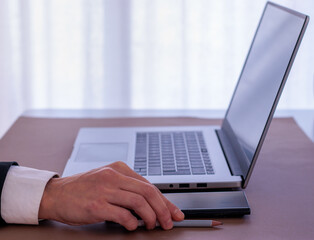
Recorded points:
(154,171)
(198,171)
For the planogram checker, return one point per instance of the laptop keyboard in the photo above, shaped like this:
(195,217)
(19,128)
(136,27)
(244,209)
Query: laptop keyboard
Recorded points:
(171,153)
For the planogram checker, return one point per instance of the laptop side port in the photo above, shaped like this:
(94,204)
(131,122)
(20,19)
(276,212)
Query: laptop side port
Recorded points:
(184,185)
(201,185)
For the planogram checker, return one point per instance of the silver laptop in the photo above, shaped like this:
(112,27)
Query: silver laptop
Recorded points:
(207,156)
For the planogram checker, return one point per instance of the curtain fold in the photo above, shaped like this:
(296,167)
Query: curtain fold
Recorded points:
(134,54)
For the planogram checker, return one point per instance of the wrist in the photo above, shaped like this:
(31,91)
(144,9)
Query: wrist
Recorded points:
(47,201)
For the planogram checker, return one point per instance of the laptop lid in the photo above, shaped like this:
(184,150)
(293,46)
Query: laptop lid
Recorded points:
(259,87)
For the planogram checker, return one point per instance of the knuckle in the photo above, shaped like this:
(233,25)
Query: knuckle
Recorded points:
(137,201)
(93,208)
(125,216)
(149,191)
(109,173)
(150,220)
(120,165)
(164,214)
(126,219)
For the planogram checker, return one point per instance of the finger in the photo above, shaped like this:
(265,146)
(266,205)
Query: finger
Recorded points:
(176,213)
(151,195)
(135,202)
(121,167)
(122,216)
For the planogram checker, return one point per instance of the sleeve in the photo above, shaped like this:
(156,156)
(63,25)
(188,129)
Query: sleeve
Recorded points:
(4,168)
(21,194)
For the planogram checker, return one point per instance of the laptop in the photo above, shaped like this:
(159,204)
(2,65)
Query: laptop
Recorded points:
(204,157)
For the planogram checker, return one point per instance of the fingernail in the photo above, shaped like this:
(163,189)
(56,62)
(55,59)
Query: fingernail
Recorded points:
(178,213)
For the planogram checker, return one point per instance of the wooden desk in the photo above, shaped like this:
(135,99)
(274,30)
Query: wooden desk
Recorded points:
(280,192)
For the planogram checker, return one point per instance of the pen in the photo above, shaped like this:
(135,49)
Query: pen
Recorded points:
(189,223)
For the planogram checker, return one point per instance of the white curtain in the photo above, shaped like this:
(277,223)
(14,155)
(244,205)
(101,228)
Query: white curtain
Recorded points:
(134,54)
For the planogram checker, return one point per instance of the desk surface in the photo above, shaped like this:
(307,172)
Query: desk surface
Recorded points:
(280,192)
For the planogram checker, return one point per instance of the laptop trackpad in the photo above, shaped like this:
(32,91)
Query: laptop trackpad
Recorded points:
(102,152)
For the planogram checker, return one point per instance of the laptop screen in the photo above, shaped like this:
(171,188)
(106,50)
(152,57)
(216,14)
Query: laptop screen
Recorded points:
(261,81)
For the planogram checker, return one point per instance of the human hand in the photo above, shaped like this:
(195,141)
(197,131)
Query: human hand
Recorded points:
(107,193)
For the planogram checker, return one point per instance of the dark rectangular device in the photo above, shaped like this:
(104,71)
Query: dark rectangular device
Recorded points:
(211,204)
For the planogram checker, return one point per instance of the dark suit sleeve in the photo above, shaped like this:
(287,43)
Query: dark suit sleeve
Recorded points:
(4,168)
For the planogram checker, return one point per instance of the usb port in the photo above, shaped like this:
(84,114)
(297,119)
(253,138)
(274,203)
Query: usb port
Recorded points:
(201,185)
(184,185)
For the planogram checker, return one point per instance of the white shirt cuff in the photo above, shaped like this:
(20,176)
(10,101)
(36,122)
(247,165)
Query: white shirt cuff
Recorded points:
(21,194)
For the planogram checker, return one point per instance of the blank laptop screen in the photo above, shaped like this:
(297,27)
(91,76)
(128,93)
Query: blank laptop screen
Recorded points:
(263,76)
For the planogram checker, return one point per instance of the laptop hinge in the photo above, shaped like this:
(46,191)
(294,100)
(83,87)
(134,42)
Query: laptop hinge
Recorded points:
(231,156)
